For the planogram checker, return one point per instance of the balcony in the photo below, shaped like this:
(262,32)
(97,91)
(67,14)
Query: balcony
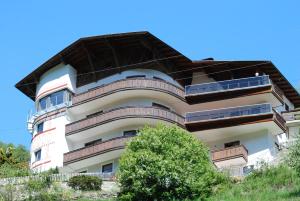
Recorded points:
(118,118)
(231,156)
(252,118)
(125,89)
(103,151)
(228,89)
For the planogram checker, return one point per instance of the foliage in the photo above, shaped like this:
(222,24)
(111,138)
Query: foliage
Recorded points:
(14,160)
(166,163)
(293,157)
(85,183)
(279,183)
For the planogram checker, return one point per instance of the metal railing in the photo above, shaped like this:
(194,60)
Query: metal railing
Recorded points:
(227,85)
(231,112)
(56,177)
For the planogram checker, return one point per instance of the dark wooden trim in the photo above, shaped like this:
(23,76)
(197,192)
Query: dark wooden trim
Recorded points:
(95,150)
(230,153)
(126,85)
(124,113)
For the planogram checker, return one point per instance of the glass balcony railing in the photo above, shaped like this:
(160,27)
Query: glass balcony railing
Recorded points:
(229,112)
(227,85)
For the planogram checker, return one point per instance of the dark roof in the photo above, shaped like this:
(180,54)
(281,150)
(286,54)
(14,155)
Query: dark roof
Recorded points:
(100,56)
(97,57)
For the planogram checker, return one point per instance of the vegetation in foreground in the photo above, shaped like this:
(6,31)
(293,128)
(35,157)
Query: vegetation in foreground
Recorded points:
(166,163)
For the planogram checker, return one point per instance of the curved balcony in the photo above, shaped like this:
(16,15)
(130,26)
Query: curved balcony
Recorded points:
(119,117)
(124,89)
(260,86)
(113,145)
(228,122)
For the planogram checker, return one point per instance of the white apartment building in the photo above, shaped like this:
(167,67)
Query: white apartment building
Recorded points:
(94,96)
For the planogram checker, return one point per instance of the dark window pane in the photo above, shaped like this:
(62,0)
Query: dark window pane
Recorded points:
(40,127)
(136,76)
(107,168)
(43,103)
(129,133)
(232,144)
(38,155)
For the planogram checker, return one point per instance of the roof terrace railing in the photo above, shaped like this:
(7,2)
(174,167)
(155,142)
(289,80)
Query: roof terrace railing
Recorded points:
(231,112)
(227,85)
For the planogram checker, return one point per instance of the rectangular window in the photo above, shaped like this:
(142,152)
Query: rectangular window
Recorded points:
(135,76)
(38,155)
(129,133)
(40,127)
(42,103)
(57,98)
(93,142)
(108,168)
(160,106)
(232,144)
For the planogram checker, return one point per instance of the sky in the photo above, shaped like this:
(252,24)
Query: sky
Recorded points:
(33,31)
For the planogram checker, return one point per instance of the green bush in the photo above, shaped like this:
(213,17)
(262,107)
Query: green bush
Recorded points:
(85,183)
(166,163)
(293,156)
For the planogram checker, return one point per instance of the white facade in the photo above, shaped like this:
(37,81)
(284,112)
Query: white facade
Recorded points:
(54,141)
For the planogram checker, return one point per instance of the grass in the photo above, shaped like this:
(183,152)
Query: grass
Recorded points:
(277,183)
(269,184)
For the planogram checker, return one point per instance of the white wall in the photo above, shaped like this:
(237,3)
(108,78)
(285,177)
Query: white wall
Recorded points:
(260,146)
(57,78)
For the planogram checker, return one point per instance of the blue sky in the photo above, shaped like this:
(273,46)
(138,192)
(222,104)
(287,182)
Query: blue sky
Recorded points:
(33,31)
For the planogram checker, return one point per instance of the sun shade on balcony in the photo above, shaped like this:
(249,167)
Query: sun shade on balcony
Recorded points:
(229,112)
(227,85)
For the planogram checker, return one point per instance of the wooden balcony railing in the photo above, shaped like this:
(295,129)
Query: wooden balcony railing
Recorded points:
(96,149)
(230,153)
(123,113)
(128,84)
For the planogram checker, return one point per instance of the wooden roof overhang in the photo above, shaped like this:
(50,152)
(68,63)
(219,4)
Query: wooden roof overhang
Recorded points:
(100,56)
(225,70)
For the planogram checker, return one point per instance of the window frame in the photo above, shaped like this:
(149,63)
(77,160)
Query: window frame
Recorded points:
(112,167)
(125,133)
(38,126)
(36,159)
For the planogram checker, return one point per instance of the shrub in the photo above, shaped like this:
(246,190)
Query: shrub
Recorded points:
(166,163)
(85,183)
(293,156)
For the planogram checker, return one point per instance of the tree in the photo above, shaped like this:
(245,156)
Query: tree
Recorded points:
(166,163)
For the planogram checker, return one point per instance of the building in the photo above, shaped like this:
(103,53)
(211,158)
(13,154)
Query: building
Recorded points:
(93,96)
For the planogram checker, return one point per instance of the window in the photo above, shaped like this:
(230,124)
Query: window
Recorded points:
(37,155)
(56,98)
(43,103)
(232,144)
(40,127)
(160,106)
(93,142)
(129,133)
(135,76)
(107,168)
